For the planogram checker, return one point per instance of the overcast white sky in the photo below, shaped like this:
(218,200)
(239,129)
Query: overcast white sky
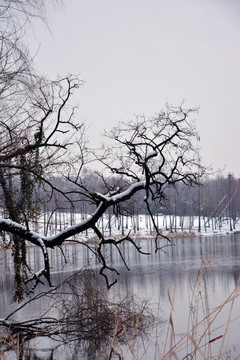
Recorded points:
(136,55)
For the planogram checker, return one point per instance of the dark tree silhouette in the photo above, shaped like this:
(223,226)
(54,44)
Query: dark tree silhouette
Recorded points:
(149,155)
(39,137)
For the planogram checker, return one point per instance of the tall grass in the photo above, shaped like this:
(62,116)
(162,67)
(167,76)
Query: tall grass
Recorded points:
(206,335)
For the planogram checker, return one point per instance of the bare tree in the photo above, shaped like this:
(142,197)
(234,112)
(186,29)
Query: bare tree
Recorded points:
(36,125)
(149,154)
(39,136)
(33,144)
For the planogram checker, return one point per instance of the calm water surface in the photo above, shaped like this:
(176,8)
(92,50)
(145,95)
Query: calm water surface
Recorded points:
(161,278)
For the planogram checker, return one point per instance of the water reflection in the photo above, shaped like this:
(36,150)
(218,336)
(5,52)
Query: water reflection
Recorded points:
(150,277)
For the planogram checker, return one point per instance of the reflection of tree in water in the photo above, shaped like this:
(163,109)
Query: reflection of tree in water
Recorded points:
(236,275)
(75,353)
(81,317)
(30,355)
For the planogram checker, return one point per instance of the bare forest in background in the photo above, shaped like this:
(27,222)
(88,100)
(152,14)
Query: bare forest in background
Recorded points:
(215,201)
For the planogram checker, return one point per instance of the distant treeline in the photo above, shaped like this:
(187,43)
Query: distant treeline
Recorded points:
(217,197)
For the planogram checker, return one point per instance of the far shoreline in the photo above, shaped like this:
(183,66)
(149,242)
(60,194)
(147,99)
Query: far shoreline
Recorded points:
(139,236)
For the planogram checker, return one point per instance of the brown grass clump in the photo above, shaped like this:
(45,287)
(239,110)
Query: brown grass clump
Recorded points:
(81,315)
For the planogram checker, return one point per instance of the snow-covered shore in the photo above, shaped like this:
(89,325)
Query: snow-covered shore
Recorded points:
(138,227)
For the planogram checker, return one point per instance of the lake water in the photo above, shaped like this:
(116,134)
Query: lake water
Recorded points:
(186,283)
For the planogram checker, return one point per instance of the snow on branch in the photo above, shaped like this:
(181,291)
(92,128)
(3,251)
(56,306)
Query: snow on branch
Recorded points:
(144,156)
